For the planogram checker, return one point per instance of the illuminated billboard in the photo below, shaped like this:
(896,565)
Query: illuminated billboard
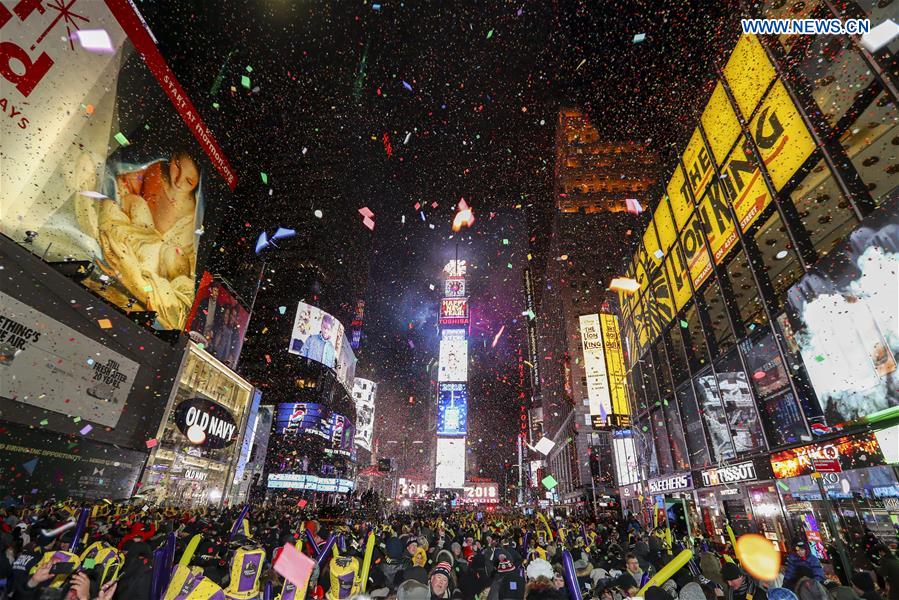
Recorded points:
(595,367)
(122,176)
(611,342)
(454,311)
(364,395)
(302,417)
(481,492)
(453,362)
(295,481)
(454,287)
(319,336)
(842,454)
(450,467)
(342,433)
(220,319)
(849,334)
(452,409)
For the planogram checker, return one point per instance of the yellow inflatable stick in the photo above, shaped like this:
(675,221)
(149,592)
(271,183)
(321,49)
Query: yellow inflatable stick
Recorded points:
(189,550)
(366,561)
(667,571)
(733,538)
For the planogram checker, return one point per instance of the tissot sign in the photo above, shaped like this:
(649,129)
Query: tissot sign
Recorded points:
(673,483)
(205,423)
(744,471)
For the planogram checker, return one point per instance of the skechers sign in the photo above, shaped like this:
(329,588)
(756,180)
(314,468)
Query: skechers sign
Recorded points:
(730,474)
(670,484)
(205,423)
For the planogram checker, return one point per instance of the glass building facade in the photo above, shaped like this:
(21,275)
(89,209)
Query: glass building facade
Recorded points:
(764,331)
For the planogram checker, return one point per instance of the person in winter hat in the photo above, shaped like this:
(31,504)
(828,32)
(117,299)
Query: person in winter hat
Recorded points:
(801,563)
(508,583)
(441,582)
(741,586)
(540,585)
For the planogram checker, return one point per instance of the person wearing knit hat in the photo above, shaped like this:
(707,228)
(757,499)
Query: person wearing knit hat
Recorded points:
(540,568)
(509,584)
(441,580)
(656,593)
(741,586)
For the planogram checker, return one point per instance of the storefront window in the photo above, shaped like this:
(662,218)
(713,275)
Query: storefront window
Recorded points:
(778,255)
(825,213)
(768,376)
(693,434)
(662,441)
(697,349)
(733,385)
(721,331)
(714,416)
(747,301)
(767,512)
(872,144)
(836,74)
(713,524)
(677,356)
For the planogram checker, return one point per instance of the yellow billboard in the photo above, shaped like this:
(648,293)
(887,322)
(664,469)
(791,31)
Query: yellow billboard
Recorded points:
(715,214)
(664,225)
(746,187)
(694,252)
(748,73)
(680,203)
(783,140)
(611,341)
(697,163)
(720,124)
(677,280)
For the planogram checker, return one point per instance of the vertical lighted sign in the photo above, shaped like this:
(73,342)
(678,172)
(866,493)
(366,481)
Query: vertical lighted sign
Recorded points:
(611,342)
(452,369)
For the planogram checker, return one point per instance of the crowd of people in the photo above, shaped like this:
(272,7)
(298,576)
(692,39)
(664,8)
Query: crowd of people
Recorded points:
(117,552)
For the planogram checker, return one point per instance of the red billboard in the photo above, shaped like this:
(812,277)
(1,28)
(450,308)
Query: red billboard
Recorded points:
(849,452)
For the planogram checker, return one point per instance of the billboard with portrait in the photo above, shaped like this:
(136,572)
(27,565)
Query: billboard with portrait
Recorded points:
(102,167)
(319,336)
(848,326)
(452,409)
(342,433)
(364,395)
(221,320)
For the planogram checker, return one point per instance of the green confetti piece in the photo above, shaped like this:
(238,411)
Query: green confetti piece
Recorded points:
(76,419)
(820,358)
(215,105)
(505,242)
(201,345)
(245,81)
(121,139)
(88,563)
(684,325)
(45,422)
(147,126)
(249,69)
(509,265)
(264,177)
(549,482)
(148,288)
(489,34)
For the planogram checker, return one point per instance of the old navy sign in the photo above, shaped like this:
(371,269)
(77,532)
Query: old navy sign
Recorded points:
(205,423)
(744,471)
(673,483)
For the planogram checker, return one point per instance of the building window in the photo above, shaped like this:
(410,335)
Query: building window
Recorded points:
(639,391)
(780,413)
(679,455)
(747,301)
(739,407)
(677,356)
(662,443)
(712,410)
(872,144)
(836,74)
(778,255)
(649,381)
(825,212)
(722,333)
(697,350)
(663,372)
(693,431)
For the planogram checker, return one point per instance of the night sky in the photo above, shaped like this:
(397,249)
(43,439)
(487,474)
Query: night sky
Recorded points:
(467,95)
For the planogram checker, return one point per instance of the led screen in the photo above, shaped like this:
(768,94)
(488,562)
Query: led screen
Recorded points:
(454,311)
(454,287)
(595,367)
(453,362)
(452,409)
(99,164)
(450,467)
(293,481)
(849,334)
(342,432)
(364,395)
(304,417)
(319,336)
(220,319)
